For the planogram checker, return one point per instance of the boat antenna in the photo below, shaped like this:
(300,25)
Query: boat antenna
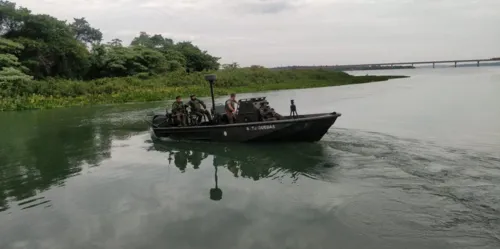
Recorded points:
(211,79)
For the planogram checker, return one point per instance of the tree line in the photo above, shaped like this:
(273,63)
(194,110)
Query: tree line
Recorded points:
(39,46)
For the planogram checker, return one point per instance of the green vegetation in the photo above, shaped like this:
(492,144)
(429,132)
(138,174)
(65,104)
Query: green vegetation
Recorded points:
(60,93)
(47,63)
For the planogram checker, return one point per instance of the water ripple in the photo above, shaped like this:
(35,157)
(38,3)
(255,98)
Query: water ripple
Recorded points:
(455,192)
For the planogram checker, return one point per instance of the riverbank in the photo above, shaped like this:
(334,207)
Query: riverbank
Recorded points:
(54,93)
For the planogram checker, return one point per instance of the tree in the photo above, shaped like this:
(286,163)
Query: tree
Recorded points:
(50,48)
(153,60)
(175,57)
(118,61)
(83,32)
(11,17)
(43,46)
(13,77)
(254,67)
(9,74)
(116,42)
(142,40)
(8,57)
(155,41)
(184,54)
(233,65)
(197,60)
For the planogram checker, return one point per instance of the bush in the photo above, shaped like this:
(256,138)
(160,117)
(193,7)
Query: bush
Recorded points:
(52,92)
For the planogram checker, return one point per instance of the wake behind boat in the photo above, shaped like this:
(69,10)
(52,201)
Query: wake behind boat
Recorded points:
(255,121)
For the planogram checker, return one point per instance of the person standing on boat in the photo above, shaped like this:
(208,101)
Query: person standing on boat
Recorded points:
(196,109)
(179,111)
(230,108)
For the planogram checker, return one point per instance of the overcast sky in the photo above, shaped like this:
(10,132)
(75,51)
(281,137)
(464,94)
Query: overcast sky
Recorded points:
(301,32)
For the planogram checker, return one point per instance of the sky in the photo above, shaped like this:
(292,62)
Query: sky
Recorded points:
(300,32)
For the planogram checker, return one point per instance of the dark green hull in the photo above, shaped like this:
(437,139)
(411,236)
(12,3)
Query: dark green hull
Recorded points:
(305,128)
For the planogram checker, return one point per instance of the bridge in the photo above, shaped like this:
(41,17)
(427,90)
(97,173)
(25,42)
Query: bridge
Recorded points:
(407,64)
(478,61)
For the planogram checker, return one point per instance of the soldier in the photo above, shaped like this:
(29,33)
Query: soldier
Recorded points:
(230,109)
(196,109)
(178,111)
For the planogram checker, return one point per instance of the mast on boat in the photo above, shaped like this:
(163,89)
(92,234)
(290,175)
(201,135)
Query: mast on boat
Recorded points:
(211,79)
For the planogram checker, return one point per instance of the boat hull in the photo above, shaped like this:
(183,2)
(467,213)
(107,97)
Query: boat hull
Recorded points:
(307,128)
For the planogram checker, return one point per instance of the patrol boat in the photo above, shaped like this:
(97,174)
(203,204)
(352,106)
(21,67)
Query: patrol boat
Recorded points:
(255,121)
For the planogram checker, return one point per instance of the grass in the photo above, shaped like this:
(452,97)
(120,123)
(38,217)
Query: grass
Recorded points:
(54,93)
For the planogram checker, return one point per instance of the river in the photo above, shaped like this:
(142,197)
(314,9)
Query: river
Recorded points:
(412,163)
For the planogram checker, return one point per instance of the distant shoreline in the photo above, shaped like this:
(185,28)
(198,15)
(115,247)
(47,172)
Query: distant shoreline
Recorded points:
(378,67)
(345,68)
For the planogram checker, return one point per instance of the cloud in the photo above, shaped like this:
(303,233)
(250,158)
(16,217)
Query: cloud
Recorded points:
(151,4)
(287,32)
(264,6)
(173,5)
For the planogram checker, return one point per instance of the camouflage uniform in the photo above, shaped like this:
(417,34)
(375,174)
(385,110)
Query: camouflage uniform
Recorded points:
(178,112)
(195,105)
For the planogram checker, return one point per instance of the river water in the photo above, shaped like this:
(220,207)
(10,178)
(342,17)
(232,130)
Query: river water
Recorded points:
(411,163)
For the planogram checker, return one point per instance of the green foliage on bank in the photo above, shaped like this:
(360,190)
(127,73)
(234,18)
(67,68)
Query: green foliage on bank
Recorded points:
(53,93)
(43,47)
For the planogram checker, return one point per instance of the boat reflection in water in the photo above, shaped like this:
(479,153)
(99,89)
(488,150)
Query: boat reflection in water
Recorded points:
(255,161)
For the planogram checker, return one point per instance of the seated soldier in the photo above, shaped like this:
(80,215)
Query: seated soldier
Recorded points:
(179,111)
(195,105)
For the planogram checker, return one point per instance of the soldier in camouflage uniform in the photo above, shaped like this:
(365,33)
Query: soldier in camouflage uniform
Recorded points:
(195,105)
(230,108)
(179,111)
